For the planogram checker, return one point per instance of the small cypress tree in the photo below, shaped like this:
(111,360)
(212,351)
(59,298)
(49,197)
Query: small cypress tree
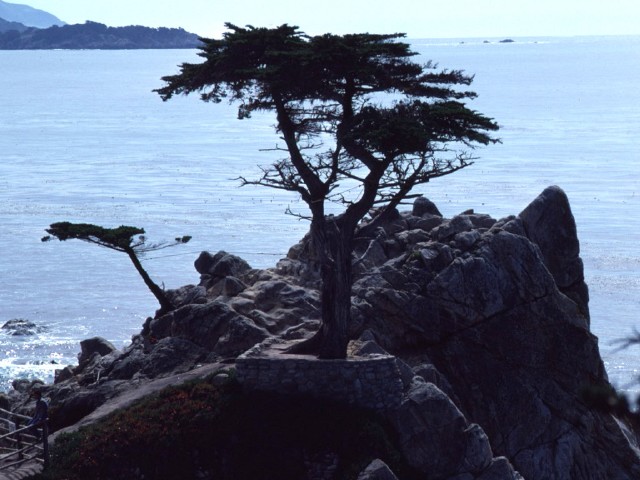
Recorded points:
(130,240)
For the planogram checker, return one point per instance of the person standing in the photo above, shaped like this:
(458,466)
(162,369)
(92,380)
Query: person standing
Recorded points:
(41,413)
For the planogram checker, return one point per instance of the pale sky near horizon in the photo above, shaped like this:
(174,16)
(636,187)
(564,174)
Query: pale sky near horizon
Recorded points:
(416,18)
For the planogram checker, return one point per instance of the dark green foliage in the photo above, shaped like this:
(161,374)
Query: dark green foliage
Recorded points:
(130,240)
(331,85)
(119,238)
(362,125)
(221,433)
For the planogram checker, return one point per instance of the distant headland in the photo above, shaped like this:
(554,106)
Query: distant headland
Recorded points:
(26,28)
(92,35)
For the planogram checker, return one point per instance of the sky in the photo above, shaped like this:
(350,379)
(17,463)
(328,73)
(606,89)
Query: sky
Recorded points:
(416,18)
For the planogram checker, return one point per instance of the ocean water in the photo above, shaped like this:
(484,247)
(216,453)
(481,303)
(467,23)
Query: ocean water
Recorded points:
(83,138)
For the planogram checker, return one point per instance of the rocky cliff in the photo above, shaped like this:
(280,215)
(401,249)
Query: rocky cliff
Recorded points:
(489,321)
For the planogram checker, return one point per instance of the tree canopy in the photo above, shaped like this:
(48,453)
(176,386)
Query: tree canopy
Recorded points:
(361,123)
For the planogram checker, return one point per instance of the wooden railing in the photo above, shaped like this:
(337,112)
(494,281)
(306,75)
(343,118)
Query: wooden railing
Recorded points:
(20,443)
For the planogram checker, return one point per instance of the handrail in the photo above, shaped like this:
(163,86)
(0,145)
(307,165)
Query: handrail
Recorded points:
(39,452)
(19,430)
(14,414)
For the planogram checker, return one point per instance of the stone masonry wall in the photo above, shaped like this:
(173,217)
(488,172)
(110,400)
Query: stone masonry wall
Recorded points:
(370,382)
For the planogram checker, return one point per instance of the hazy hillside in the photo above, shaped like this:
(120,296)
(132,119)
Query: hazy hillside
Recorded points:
(29,16)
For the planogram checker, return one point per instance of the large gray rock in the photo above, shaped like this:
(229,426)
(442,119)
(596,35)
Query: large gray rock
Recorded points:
(515,348)
(549,223)
(187,295)
(95,345)
(213,326)
(170,356)
(436,438)
(214,268)
(275,304)
(424,206)
(431,430)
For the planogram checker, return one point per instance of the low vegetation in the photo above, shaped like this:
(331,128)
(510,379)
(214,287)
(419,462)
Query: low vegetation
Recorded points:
(203,430)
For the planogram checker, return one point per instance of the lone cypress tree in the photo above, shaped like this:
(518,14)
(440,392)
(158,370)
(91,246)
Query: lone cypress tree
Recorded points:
(130,240)
(361,123)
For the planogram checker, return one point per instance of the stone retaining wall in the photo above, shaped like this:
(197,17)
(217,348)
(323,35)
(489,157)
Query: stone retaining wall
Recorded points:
(371,382)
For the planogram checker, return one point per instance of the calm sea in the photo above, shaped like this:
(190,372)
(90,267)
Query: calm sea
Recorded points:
(84,139)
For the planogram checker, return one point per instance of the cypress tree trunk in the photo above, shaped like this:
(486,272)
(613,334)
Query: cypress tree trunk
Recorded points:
(165,304)
(334,247)
(336,298)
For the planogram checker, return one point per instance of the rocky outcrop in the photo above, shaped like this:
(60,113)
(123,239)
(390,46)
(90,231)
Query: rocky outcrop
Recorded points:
(479,301)
(435,436)
(488,318)
(93,347)
(548,223)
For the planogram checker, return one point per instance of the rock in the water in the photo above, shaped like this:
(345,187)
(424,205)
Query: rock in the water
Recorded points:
(21,327)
